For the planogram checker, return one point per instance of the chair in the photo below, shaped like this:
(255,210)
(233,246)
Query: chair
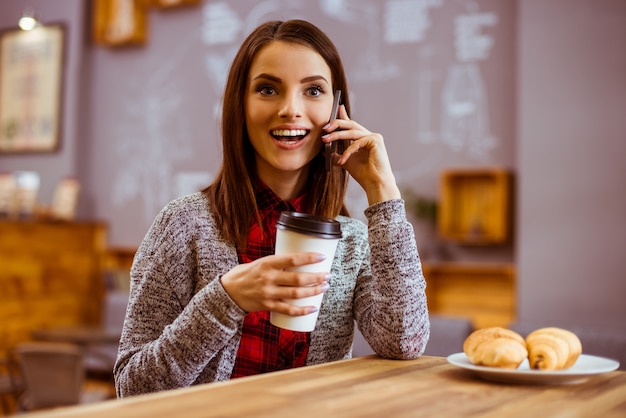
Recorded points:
(100,358)
(53,375)
(446,337)
(10,384)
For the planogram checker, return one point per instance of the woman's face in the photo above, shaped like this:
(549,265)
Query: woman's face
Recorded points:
(288,100)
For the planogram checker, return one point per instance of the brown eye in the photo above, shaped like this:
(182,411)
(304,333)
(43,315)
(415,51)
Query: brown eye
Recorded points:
(265,90)
(315,91)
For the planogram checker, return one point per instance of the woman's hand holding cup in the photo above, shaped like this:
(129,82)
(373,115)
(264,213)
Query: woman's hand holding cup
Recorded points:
(265,283)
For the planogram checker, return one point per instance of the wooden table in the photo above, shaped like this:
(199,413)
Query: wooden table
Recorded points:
(371,387)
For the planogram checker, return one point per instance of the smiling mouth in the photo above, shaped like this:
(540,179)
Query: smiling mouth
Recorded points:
(289,136)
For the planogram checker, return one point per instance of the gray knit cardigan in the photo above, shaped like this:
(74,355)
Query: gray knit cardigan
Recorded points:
(182,328)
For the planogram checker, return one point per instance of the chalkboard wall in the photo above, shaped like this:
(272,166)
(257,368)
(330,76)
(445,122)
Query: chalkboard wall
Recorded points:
(435,77)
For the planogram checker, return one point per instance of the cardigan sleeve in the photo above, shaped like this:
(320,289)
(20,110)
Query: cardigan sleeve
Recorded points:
(390,295)
(173,332)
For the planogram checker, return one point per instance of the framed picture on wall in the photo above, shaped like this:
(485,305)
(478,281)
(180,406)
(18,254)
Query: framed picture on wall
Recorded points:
(65,199)
(31,78)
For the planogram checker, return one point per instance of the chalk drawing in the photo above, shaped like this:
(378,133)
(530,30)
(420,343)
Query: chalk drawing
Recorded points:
(146,152)
(407,20)
(343,10)
(464,113)
(152,136)
(464,110)
(370,66)
(449,94)
(426,57)
(425,82)
(470,44)
(274,9)
(221,25)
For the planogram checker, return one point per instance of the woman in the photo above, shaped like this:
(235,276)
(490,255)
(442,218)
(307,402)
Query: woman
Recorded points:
(205,278)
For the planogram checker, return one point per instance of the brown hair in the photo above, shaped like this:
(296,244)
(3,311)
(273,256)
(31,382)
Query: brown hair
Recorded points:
(231,195)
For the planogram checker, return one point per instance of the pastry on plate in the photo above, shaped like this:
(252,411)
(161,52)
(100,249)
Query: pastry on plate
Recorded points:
(552,348)
(495,347)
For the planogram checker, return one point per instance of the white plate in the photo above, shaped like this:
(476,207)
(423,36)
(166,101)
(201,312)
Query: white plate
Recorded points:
(586,366)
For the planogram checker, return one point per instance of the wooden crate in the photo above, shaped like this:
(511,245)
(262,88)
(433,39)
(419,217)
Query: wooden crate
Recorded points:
(476,206)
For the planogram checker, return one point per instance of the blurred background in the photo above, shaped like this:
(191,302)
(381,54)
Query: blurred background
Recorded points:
(505,121)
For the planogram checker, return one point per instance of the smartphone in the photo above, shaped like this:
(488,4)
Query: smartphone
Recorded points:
(329,147)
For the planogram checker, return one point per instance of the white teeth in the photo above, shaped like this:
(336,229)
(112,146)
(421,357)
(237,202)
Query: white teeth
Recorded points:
(289,132)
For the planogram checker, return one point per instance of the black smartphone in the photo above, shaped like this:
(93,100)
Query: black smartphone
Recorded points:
(329,147)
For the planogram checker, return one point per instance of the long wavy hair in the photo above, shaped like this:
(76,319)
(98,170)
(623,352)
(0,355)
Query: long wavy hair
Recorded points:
(231,195)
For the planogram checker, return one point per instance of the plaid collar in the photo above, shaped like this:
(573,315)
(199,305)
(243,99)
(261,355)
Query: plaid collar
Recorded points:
(270,206)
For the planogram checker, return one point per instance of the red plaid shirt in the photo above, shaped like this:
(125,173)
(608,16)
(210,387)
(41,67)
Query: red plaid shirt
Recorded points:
(264,347)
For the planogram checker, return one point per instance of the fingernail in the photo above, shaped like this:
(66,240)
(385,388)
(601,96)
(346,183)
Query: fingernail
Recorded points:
(328,276)
(325,287)
(325,136)
(321,257)
(313,309)
(326,126)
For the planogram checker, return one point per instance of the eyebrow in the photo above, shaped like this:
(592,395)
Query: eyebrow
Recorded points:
(279,80)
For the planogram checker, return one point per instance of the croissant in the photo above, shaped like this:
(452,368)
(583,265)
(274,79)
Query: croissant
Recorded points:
(495,347)
(552,348)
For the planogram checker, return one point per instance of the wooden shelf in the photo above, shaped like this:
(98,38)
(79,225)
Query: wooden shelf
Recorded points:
(476,206)
(483,293)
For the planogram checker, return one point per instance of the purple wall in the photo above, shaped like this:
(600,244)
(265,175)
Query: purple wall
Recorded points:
(571,149)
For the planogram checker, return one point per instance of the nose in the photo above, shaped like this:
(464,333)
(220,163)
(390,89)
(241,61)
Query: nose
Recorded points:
(290,107)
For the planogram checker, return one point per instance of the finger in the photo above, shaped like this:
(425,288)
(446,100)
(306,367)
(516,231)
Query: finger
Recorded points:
(344,125)
(353,133)
(295,279)
(295,293)
(343,113)
(354,148)
(338,125)
(289,309)
(284,261)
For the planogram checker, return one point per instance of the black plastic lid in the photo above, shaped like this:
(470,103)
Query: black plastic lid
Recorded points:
(310,224)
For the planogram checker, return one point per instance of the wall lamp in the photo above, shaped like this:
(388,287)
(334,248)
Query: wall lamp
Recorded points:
(28,21)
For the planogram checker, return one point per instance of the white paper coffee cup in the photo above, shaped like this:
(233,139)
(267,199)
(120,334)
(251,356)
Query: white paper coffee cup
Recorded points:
(300,232)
